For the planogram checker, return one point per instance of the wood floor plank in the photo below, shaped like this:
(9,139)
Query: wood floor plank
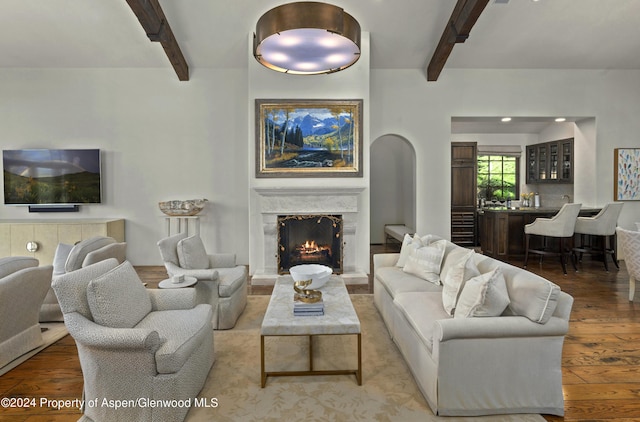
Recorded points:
(601,356)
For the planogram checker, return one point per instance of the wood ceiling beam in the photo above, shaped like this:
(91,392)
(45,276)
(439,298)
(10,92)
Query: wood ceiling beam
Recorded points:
(464,16)
(154,23)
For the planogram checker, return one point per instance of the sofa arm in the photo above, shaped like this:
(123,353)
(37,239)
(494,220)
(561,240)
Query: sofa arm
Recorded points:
(90,334)
(497,327)
(384,260)
(222,260)
(162,300)
(206,274)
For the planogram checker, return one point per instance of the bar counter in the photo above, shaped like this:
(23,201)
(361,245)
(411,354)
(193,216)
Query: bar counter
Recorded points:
(501,229)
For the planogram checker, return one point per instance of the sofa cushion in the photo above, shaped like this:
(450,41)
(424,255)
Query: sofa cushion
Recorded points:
(455,277)
(180,331)
(60,258)
(117,298)
(421,310)
(483,296)
(425,261)
(411,243)
(397,281)
(192,254)
(11,264)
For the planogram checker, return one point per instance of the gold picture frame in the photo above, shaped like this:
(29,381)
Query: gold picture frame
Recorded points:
(308,138)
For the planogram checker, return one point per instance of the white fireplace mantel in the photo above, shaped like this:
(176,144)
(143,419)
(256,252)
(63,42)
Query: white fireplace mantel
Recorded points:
(273,202)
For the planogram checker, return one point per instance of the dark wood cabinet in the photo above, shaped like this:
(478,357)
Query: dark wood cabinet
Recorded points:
(463,193)
(550,162)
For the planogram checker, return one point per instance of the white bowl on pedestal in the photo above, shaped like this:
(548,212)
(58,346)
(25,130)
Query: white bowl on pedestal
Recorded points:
(318,274)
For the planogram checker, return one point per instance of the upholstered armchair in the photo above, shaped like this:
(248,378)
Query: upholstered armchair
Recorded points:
(630,247)
(23,286)
(560,226)
(602,225)
(73,257)
(221,282)
(135,343)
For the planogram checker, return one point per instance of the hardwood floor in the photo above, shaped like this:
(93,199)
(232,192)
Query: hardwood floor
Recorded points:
(601,358)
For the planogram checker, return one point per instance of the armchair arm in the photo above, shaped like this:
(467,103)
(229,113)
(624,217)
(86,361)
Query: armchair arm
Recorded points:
(222,260)
(90,334)
(206,274)
(162,300)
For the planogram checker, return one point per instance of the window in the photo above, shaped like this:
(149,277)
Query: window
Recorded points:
(498,177)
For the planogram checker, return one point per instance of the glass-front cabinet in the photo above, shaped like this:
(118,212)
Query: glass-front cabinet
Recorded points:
(550,162)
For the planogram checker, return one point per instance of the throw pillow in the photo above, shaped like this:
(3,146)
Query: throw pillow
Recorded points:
(410,244)
(453,282)
(118,299)
(424,262)
(191,253)
(483,296)
(60,258)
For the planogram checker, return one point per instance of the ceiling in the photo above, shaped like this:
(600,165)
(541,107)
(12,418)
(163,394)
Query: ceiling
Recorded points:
(567,34)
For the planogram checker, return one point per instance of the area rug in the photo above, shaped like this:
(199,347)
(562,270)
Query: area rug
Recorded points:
(388,393)
(53,331)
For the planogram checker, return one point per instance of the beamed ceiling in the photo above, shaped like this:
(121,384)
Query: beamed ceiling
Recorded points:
(516,34)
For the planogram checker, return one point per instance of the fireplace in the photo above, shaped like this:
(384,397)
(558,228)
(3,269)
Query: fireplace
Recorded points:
(309,239)
(271,203)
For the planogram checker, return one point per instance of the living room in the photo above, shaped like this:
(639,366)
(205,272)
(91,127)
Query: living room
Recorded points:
(164,139)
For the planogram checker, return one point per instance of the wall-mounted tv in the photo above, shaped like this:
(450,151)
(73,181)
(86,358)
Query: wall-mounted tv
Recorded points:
(52,176)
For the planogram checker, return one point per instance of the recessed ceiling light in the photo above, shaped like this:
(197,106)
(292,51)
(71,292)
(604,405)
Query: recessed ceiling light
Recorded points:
(506,119)
(561,119)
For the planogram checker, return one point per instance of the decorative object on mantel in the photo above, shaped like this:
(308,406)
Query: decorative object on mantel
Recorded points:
(182,208)
(308,138)
(626,167)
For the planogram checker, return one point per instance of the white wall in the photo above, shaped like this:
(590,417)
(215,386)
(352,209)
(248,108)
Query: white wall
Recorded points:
(166,139)
(161,139)
(405,104)
(352,83)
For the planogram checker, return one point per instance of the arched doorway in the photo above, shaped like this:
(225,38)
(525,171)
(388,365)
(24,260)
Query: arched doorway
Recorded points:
(393,184)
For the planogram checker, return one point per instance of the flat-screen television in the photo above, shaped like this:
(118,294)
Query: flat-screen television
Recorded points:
(52,176)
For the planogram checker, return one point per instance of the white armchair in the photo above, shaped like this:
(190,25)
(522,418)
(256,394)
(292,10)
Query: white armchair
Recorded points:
(630,248)
(135,343)
(73,257)
(23,286)
(561,226)
(221,283)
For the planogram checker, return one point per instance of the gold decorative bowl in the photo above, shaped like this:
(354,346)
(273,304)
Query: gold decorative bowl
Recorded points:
(182,208)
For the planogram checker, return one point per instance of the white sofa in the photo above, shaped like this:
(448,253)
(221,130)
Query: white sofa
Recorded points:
(484,365)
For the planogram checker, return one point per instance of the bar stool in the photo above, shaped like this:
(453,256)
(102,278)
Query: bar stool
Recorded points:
(602,225)
(630,248)
(560,226)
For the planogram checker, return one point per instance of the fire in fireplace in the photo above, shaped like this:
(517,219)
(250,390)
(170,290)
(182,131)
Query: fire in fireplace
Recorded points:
(309,239)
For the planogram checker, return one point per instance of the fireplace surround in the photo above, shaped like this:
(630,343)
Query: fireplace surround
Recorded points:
(271,203)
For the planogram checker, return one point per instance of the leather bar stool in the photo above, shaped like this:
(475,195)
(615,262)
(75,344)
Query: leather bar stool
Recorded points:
(602,225)
(559,226)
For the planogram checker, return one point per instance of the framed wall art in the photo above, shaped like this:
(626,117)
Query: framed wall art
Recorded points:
(626,167)
(308,138)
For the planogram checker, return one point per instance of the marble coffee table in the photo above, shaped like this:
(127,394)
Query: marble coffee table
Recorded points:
(339,319)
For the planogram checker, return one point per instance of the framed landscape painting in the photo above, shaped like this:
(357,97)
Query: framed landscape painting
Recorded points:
(626,185)
(308,138)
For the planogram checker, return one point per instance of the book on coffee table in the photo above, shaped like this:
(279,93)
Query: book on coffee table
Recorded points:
(301,308)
